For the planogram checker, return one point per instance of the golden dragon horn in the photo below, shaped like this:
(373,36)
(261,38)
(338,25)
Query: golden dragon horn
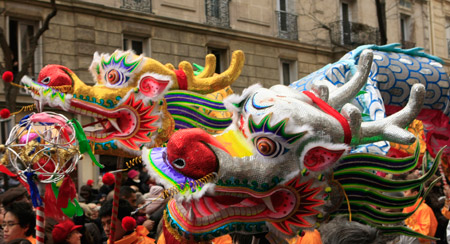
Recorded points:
(214,83)
(210,67)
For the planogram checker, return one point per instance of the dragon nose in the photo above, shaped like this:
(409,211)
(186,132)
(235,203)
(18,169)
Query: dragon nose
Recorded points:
(189,153)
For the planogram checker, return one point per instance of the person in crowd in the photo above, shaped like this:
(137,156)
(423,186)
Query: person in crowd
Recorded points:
(19,222)
(19,241)
(67,232)
(133,178)
(140,216)
(435,199)
(145,180)
(105,189)
(94,210)
(122,236)
(127,193)
(341,231)
(423,220)
(155,209)
(87,194)
(15,194)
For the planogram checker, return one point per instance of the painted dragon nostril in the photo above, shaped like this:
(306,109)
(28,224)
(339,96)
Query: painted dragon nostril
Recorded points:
(179,163)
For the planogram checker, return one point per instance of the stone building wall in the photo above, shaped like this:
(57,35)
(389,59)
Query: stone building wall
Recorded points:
(78,30)
(177,31)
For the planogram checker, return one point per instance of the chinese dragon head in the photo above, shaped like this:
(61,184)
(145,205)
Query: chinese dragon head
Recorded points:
(127,104)
(276,169)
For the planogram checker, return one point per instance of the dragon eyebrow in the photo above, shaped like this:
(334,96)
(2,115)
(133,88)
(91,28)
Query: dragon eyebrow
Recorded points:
(277,129)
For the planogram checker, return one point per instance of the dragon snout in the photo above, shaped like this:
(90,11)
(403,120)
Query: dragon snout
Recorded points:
(57,77)
(189,152)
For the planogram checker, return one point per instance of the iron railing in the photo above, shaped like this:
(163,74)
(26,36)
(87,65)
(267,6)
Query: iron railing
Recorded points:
(353,34)
(217,13)
(287,25)
(405,3)
(137,5)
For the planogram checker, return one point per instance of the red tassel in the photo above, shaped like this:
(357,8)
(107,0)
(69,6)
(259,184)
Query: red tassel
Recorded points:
(5,113)
(128,223)
(67,191)
(51,210)
(8,76)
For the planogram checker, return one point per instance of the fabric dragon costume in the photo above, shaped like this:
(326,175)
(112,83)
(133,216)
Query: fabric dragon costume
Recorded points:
(277,169)
(127,102)
(393,72)
(282,165)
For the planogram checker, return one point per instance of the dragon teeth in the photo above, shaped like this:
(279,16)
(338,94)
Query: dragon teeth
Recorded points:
(269,204)
(37,104)
(113,122)
(191,215)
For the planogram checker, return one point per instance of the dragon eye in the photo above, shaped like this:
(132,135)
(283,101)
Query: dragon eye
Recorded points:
(265,146)
(113,76)
(268,147)
(46,80)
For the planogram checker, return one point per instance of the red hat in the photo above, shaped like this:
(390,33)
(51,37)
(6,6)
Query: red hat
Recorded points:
(90,182)
(63,229)
(132,173)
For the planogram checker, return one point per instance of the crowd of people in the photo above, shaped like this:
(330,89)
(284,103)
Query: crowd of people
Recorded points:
(17,217)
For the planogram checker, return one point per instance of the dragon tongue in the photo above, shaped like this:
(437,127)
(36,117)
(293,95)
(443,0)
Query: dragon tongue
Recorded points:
(114,124)
(269,204)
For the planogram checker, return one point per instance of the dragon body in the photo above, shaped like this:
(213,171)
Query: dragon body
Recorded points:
(393,73)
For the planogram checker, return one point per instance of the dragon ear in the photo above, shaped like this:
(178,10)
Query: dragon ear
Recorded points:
(154,85)
(320,156)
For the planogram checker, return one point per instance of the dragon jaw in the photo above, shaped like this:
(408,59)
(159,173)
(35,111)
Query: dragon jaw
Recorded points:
(204,209)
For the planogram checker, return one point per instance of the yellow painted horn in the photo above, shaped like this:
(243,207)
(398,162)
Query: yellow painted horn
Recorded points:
(216,82)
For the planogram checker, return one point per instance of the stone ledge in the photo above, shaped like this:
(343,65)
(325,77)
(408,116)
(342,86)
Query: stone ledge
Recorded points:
(178,6)
(254,22)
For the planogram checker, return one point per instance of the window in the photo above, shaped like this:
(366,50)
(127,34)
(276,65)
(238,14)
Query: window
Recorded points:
(288,71)
(404,27)
(217,13)
(283,14)
(346,23)
(20,34)
(137,44)
(215,8)
(405,31)
(137,5)
(221,58)
(287,22)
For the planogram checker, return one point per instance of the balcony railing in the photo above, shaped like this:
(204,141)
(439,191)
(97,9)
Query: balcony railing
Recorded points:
(287,25)
(406,3)
(217,13)
(408,44)
(353,34)
(137,5)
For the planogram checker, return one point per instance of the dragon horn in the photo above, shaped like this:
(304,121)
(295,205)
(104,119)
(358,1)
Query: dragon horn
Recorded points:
(216,82)
(210,67)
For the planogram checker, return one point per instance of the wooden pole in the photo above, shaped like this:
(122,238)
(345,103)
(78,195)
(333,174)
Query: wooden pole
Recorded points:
(116,200)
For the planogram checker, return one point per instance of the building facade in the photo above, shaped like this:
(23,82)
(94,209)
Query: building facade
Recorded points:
(283,40)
